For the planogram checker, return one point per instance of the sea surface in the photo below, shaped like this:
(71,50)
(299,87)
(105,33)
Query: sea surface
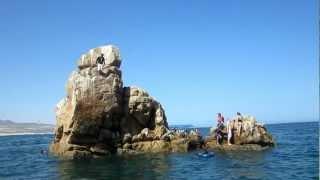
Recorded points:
(296,156)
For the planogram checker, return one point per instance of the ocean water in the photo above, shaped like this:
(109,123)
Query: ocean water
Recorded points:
(296,156)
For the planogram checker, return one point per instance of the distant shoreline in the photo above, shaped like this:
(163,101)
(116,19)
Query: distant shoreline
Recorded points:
(292,122)
(273,123)
(26,133)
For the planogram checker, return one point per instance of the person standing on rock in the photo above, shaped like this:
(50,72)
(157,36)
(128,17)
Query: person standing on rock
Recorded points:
(100,62)
(238,120)
(220,126)
(230,124)
(220,118)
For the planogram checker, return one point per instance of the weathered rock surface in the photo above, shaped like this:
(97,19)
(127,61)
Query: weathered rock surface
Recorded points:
(99,116)
(160,140)
(247,135)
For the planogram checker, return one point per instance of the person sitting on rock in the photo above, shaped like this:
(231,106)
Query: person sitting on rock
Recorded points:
(100,62)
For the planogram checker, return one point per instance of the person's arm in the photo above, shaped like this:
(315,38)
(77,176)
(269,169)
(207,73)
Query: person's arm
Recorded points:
(104,60)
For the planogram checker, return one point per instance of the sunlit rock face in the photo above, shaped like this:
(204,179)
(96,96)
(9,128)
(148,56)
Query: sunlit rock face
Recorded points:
(99,116)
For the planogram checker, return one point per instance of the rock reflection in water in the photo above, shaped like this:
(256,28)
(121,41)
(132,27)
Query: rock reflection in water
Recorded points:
(239,164)
(115,167)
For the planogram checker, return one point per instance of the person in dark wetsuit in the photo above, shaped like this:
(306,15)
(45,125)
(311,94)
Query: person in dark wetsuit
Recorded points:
(100,62)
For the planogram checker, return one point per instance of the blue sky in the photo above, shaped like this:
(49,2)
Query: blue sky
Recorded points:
(196,57)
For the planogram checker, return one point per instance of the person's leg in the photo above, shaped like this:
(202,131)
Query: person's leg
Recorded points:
(229,136)
(217,138)
(99,67)
(239,128)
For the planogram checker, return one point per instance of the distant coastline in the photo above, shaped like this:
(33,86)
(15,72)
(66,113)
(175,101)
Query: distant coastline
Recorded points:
(11,128)
(297,122)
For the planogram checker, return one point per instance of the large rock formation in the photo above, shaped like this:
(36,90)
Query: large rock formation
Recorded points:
(99,116)
(247,134)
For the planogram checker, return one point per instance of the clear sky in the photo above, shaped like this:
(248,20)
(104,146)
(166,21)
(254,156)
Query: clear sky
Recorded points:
(196,57)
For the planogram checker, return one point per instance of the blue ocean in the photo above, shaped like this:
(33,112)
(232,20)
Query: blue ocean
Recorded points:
(296,156)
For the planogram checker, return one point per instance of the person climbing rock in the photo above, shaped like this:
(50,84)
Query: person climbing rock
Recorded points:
(100,62)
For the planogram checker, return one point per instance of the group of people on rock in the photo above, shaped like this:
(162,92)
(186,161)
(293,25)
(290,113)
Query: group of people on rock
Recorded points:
(233,124)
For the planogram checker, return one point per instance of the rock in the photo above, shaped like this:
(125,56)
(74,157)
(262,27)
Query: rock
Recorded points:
(70,151)
(174,143)
(127,146)
(76,154)
(99,116)
(236,147)
(121,152)
(92,100)
(145,132)
(160,131)
(141,111)
(247,135)
(100,149)
(193,133)
(105,135)
(167,136)
(127,138)
(98,112)
(152,146)
(136,138)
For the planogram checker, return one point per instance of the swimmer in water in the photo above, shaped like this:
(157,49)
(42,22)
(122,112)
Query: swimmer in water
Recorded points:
(43,151)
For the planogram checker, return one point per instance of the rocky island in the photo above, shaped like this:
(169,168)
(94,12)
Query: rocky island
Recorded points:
(247,134)
(99,116)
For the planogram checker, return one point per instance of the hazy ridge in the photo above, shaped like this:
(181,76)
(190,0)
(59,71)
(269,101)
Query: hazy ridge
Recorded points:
(8,127)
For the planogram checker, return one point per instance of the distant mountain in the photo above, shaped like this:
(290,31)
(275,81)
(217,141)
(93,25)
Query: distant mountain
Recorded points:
(8,127)
(3,122)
